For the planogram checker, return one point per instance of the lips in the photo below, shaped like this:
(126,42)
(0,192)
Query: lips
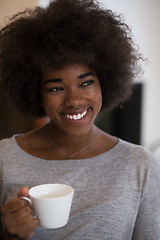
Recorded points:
(77,116)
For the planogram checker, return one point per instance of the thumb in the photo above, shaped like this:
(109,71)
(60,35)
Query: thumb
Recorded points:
(23,192)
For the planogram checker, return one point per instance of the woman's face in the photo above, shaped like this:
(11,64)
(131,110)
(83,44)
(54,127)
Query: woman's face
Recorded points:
(71,98)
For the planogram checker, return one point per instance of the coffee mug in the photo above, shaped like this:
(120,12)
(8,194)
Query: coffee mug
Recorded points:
(51,204)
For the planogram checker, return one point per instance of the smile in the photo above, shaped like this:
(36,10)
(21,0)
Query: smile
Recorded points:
(76,116)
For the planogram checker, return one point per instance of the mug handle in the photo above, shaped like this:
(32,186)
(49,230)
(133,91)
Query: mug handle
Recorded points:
(27,199)
(30,203)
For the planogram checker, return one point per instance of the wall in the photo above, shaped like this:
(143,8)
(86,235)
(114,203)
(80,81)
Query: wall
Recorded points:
(9,7)
(144,19)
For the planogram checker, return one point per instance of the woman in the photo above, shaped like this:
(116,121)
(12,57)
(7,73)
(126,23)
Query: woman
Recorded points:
(69,62)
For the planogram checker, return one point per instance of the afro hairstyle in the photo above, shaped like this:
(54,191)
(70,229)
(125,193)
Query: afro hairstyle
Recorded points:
(66,32)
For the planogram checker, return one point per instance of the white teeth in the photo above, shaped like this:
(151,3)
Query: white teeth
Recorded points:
(76,117)
(79,116)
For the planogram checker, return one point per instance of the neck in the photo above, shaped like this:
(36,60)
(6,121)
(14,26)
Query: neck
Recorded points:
(69,143)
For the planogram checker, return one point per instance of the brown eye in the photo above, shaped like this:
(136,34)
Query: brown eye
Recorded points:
(87,83)
(55,89)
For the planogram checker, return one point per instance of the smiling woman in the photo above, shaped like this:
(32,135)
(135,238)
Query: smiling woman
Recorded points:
(68,62)
(72,99)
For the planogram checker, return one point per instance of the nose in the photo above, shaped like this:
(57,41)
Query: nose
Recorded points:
(73,98)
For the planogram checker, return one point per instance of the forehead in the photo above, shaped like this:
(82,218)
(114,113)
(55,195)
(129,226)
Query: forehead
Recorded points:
(72,70)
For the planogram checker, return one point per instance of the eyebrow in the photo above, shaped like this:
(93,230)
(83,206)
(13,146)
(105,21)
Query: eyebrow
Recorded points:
(58,80)
(54,80)
(86,75)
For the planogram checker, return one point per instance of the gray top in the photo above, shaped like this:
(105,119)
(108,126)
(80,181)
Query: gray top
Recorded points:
(117,193)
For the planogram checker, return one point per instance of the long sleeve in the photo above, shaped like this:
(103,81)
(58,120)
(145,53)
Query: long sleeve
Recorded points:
(147,225)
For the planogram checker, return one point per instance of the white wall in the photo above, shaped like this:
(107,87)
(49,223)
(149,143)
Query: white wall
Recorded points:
(43,3)
(143,16)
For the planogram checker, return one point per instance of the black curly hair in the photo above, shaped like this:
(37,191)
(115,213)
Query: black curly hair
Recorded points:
(67,31)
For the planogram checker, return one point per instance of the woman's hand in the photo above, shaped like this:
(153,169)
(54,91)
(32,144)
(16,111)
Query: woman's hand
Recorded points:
(17,217)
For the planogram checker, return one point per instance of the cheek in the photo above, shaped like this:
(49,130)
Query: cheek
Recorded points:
(48,100)
(48,104)
(98,98)
(99,101)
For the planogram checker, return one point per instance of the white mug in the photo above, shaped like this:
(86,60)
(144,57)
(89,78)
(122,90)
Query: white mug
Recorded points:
(51,204)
